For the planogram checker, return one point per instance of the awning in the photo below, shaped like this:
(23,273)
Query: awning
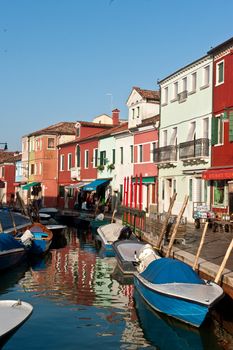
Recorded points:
(96,183)
(146,180)
(77,185)
(28,186)
(218,174)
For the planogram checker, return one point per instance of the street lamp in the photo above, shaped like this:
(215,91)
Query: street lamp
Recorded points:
(5,145)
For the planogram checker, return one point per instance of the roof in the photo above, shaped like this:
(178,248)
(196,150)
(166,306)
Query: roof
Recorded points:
(94,125)
(6,157)
(148,94)
(221,46)
(150,120)
(65,128)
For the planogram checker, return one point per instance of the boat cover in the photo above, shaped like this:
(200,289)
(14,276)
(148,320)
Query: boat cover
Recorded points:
(167,270)
(8,242)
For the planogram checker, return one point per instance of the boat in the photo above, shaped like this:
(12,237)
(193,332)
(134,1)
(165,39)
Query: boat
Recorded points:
(13,314)
(37,238)
(111,233)
(129,253)
(56,228)
(95,224)
(12,221)
(172,287)
(12,252)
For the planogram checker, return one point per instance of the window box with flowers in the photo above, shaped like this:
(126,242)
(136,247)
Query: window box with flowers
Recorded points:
(111,167)
(100,167)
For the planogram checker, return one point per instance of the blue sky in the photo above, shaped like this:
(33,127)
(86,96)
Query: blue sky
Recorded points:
(60,59)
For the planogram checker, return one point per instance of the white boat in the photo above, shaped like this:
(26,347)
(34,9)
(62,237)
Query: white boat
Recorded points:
(13,314)
(109,234)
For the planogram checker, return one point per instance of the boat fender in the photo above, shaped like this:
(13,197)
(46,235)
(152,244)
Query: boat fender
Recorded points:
(27,238)
(125,233)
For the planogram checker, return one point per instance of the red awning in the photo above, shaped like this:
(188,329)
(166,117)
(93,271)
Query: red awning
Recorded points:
(218,174)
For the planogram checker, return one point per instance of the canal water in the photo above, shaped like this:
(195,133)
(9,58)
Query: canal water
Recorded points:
(81,301)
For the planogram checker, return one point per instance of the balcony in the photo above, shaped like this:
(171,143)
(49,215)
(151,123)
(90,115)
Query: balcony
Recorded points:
(194,151)
(75,173)
(165,156)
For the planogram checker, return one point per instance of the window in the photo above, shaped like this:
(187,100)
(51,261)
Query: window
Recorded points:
(219,193)
(140,156)
(175,91)
(121,155)
(69,161)
(217,130)
(206,76)
(206,128)
(40,168)
(163,190)
(192,131)
(174,186)
(165,96)
(133,113)
(51,142)
(78,130)
(35,171)
(113,156)
(138,112)
(184,83)
(164,138)
(2,172)
(153,151)
(193,82)
(86,159)
(78,155)
(131,154)
(220,73)
(103,158)
(95,158)
(174,137)
(32,169)
(62,162)
(61,191)
(190,190)
(31,145)
(121,192)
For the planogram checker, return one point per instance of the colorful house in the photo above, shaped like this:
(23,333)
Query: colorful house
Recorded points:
(7,176)
(184,136)
(78,159)
(220,176)
(143,119)
(40,162)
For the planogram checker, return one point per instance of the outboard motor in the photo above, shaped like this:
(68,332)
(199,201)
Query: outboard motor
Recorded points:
(125,233)
(145,256)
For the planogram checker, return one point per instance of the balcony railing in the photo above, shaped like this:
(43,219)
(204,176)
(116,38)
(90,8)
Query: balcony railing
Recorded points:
(194,149)
(167,154)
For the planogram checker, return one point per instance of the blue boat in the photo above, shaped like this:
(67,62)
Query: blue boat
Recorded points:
(37,239)
(172,287)
(12,252)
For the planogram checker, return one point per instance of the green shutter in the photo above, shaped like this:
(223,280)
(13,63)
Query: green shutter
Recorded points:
(214,135)
(231,126)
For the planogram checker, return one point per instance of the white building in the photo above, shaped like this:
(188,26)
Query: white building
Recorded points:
(184,137)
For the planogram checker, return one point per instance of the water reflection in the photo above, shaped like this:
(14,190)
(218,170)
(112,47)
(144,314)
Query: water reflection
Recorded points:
(79,304)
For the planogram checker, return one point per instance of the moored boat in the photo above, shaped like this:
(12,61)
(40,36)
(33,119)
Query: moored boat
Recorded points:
(13,314)
(172,287)
(12,252)
(109,234)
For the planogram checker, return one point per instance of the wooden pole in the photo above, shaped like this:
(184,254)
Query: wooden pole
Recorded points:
(166,219)
(113,215)
(174,232)
(220,271)
(200,245)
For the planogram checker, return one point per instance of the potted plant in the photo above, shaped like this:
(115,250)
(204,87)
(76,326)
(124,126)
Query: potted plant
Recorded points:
(100,167)
(111,167)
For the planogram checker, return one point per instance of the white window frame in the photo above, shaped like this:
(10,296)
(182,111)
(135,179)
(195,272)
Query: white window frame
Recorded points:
(140,153)
(193,87)
(62,162)
(217,73)
(205,77)
(175,91)
(86,159)
(173,138)
(95,158)
(165,138)
(165,96)
(69,163)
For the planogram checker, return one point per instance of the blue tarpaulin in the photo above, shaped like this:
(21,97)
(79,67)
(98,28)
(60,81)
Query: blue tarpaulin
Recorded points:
(166,270)
(94,184)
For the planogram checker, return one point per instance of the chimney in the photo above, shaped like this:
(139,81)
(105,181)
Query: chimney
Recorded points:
(115,117)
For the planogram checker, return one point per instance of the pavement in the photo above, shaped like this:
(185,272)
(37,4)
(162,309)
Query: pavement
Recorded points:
(211,256)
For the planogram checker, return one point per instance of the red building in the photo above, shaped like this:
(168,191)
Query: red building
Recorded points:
(77,161)
(7,175)
(145,141)
(220,175)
